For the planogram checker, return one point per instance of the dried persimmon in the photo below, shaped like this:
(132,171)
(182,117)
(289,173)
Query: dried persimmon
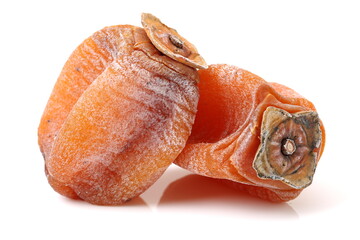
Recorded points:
(123,109)
(120,113)
(261,137)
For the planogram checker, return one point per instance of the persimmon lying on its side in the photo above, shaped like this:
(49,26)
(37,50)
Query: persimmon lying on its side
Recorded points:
(261,137)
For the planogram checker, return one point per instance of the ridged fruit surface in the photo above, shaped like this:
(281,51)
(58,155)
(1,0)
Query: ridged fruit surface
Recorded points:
(119,114)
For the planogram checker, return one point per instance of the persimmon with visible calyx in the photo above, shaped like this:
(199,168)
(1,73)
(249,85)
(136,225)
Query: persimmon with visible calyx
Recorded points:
(120,113)
(261,137)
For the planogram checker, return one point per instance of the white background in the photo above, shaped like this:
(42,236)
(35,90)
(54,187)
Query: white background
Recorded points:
(310,46)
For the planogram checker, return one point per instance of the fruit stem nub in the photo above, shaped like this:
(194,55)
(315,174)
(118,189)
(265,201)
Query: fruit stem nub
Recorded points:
(288,147)
(176,41)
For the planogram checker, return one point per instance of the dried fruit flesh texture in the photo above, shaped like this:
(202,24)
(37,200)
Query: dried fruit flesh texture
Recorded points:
(84,65)
(226,135)
(127,126)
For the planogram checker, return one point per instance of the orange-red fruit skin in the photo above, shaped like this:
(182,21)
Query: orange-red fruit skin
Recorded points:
(226,132)
(121,122)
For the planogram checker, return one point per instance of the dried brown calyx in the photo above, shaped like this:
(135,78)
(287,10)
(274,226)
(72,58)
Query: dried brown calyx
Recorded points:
(289,147)
(170,43)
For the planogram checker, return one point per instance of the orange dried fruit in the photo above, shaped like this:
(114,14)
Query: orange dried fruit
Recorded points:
(261,137)
(120,113)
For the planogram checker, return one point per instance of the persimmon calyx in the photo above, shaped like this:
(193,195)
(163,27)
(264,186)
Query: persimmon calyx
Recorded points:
(170,43)
(289,147)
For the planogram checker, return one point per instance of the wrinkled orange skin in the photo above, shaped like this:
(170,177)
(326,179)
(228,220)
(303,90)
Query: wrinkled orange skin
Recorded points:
(118,116)
(226,132)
